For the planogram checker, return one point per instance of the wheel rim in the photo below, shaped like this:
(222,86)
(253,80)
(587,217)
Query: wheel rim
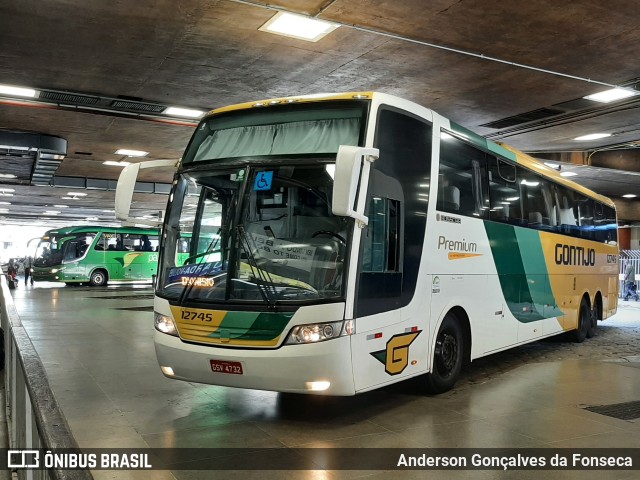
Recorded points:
(98,278)
(446,353)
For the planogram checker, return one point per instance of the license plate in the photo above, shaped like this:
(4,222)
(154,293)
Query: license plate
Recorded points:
(223,366)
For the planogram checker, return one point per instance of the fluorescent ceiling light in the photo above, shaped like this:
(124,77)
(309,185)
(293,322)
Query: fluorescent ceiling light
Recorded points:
(116,164)
(17,91)
(183,112)
(5,190)
(611,95)
(297,26)
(7,175)
(629,195)
(77,194)
(568,174)
(131,153)
(61,206)
(52,212)
(593,136)
(5,203)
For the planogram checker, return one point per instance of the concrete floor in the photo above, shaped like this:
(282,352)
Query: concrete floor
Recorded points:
(101,365)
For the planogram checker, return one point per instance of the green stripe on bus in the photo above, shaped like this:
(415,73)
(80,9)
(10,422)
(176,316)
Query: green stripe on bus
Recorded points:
(252,325)
(535,268)
(267,326)
(235,324)
(512,271)
(503,152)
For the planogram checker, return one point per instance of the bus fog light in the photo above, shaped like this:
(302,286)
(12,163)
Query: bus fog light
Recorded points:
(315,332)
(318,386)
(168,371)
(164,324)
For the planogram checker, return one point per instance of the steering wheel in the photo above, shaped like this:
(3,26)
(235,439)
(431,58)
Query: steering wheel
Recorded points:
(337,236)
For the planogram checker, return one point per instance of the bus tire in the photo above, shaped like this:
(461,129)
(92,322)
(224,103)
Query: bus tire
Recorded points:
(447,357)
(584,319)
(98,278)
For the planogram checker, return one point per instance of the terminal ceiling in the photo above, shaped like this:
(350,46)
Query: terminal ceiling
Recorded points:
(513,71)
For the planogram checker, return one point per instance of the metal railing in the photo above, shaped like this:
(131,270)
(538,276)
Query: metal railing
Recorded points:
(34,418)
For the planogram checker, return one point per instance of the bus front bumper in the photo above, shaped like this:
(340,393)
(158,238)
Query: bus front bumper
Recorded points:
(46,275)
(305,368)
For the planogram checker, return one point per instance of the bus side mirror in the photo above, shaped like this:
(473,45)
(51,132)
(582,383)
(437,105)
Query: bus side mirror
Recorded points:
(352,165)
(127,184)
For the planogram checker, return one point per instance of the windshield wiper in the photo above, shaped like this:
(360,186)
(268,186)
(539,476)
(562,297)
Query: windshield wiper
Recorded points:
(210,249)
(264,282)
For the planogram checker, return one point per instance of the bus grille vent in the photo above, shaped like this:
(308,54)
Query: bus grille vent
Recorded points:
(622,411)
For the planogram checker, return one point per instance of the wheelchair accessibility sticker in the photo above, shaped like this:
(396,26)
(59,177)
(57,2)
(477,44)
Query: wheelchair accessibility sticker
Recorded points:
(263,181)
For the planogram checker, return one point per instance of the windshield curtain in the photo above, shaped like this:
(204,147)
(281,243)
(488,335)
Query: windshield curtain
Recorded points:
(261,234)
(284,130)
(299,137)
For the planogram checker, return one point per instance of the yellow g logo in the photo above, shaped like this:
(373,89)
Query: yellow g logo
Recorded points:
(396,356)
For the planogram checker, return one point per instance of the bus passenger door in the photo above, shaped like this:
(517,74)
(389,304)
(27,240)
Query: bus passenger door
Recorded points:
(382,349)
(391,338)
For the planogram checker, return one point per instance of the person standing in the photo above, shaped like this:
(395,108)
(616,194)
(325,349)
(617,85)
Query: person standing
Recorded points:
(28,265)
(12,272)
(630,282)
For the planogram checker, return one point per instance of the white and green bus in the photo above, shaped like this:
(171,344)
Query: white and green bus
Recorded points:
(97,255)
(344,242)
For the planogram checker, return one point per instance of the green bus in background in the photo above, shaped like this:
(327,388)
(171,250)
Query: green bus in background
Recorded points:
(97,255)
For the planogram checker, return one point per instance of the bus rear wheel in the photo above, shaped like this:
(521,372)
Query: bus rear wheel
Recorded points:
(98,278)
(447,357)
(584,320)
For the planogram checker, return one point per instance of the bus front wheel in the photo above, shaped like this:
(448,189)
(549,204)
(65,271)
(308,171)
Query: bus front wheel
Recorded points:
(98,278)
(447,357)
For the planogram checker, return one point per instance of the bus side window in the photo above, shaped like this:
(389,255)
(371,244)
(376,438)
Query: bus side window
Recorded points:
(568,211)
(462,179)
(537,201)
(604,224)
(506,203)
(380,249)
(586,218)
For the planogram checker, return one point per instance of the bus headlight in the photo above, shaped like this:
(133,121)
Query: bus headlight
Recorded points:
(319,332)
(164,324)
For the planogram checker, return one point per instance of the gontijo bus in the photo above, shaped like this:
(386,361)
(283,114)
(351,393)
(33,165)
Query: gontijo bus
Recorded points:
(96,255)
(345,242)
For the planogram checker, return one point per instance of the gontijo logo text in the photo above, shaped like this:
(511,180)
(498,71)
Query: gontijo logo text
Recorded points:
(572,255)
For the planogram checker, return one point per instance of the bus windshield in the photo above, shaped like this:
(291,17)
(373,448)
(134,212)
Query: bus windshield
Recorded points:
(255,234)
(58,249)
